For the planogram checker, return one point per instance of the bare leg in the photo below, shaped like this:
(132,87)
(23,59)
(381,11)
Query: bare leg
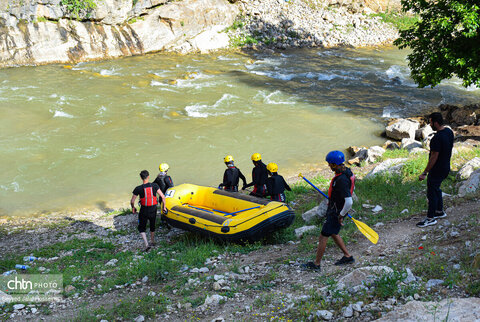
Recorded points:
(339,241)
(152,237)
(322,245)
(144,237)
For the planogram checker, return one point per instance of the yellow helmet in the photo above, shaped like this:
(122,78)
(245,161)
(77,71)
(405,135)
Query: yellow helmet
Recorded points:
(228,158)
(272,167)
(163,167)
(256,157)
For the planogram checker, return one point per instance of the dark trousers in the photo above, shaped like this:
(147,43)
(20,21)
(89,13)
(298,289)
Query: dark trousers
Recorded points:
(434,194)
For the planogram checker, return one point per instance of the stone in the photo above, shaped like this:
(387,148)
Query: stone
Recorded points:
(219,319)
(18,307)
(112,262)
(454,234)
(324,314)
(404,211)
(316,212)
(364,275)
(377,208)
(145,279)
(217,286)
(357,307)
(423,132)
(347,311)
(390,166)
(410,277)
(451,309)
(471,185)
(468,168)
(389,145)
(302,230)
(402,128)
(203,270)
(433,282)
(139,318)
(213,300)
(410,144)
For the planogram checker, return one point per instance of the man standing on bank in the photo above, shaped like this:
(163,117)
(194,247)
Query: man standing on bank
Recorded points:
(437,168)
(148,210)
(259,177)
(339,203)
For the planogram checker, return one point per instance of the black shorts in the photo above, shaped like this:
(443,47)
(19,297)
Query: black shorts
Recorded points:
(331,225)
(147,214)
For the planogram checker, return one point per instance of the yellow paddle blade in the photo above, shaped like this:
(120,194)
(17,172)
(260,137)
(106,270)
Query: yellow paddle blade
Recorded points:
(300,175)
(367,231)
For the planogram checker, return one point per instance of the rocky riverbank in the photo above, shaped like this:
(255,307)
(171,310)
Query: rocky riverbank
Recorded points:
(53,31)
(411,273)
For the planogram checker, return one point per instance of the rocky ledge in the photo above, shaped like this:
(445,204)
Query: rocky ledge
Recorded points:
(50,31)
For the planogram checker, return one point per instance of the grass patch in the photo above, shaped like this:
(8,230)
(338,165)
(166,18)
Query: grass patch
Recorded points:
(400,21)
(127,309)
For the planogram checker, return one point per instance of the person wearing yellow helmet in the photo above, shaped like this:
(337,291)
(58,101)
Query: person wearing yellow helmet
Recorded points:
(231,176)
(163,180)
(276,184)
(259,177)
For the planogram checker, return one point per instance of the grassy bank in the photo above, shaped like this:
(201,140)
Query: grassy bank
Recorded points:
(166,270)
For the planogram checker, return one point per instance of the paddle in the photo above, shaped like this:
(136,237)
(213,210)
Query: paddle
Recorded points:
(364,229)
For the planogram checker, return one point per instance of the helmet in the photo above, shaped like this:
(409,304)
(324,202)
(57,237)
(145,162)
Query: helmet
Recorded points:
(228,158)
(272,167)
(256,157)
(335,157)
(163,167)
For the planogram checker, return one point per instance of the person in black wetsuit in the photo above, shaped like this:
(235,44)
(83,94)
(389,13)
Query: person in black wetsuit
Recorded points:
(163,180)
(259,177)
(339,203)
(276,185)
(438,167)
(148,210)
(231,176)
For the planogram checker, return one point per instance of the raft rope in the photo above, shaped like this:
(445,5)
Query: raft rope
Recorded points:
(223,212)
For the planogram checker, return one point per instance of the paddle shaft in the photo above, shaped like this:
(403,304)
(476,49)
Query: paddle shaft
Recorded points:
(319,190)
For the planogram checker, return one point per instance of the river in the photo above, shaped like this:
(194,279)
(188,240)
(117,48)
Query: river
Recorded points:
(77,136)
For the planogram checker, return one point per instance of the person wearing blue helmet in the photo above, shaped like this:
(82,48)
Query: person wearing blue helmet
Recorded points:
(339,203)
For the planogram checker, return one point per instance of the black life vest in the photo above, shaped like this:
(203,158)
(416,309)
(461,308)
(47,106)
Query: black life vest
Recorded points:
(164,182)
(149,198)
(231,177)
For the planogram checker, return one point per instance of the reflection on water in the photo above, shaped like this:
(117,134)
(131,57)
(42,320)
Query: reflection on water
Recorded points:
(76,135)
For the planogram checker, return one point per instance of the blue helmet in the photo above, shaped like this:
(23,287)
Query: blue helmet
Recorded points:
(335,157)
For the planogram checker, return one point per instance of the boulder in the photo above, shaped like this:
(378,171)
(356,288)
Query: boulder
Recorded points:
(302,230)
(370,155)
(423,132)
(324,314)
(463,116)
(471,185)
(390,145)
(451,309)
(316,212)
(364,275)
(466,171)
(402,128)
(214,300)
(410,144)
(390,165)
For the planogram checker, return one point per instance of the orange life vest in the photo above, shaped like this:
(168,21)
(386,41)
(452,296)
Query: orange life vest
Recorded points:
(149,198)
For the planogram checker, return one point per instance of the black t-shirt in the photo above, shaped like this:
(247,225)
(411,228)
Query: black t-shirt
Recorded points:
(259,174)
(341,186)
(139,191)
(442,142)
(276,184)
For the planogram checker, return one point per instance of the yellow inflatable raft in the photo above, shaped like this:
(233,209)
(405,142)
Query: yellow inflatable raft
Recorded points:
(226,215)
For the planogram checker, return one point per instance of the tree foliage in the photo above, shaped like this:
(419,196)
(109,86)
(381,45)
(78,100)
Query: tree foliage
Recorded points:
(445,42)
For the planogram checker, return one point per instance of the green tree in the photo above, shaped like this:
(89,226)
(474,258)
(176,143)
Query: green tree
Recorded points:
(445,42)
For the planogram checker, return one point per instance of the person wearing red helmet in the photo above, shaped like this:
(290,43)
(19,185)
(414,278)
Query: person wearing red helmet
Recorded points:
(339,203)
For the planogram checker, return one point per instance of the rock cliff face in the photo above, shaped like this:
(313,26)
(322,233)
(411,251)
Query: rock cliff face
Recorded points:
(45,31)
